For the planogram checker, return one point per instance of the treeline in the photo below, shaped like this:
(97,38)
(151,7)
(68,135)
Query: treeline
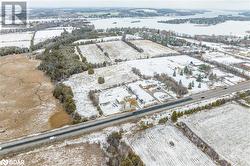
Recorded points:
(227,68)
(175,115)
(176,87)
(207,21)
(67,38)
(65,95)
(163,37)
(12,50)
(61,63)
(140,50)
(119,153)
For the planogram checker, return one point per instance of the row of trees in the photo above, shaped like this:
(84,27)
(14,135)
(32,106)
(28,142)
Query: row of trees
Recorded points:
(140,50)
(65,95)
(176,87)
(120,153)
(175,115)
(12,50)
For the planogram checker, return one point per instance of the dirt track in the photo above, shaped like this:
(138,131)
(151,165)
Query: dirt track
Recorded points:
(26,100)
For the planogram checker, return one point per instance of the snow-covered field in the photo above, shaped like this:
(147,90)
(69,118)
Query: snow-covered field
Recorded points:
(16,39)
(82,83)
(153,93)
(168,65)
(93,54)
(152,49)
(226,129)
(166,145)
(228,60)
(106,39)
(222,58)
(50,33)
(120,50)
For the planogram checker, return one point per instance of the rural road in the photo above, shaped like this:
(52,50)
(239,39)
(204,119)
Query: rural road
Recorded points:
(66,132)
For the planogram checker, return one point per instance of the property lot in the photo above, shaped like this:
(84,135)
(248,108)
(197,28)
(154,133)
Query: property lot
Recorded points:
(166,145)
(226,129)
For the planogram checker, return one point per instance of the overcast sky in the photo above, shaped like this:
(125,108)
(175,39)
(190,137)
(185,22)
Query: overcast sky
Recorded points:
(181,4)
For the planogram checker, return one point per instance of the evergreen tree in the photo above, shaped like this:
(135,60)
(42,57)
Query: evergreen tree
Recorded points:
(199,86)
(190,86)
(199,78)
(181,73)
(174,74)
(174,116)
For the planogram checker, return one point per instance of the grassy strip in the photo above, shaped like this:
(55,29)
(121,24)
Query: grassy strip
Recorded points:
(65,95)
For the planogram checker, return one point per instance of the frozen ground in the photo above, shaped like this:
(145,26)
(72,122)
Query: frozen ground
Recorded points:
(50,33)
(112,100)
(82,83)
(106,39)
(152,49)
(122,73)
(226,129)
(154,148)
(119,50)
(222,58)
(168,65)
(237,63)
(144,98)
(16,39)
(93,54)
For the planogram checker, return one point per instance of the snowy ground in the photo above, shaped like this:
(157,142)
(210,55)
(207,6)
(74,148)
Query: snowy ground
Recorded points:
(16,39)
(227,59)
(82,83)
(154,148)
(226,129)
(152,49)
(169,64)
(106,39)
(50,33)
(222,58)
(93,54)
(158,93)
(120,50)
(111,100)
(145,99)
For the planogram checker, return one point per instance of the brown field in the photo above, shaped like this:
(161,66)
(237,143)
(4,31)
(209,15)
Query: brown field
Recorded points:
(59,154)
(26,100)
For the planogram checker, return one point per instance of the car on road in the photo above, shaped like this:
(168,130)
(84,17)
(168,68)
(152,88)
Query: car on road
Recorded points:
(51,138)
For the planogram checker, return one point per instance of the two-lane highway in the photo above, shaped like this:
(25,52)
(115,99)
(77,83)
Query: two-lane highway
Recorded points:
(66,132)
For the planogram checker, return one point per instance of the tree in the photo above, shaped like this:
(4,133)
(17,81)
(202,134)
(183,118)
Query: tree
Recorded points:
(181,73)
(101,80)
(190,86)
(174,74)
(190,72)
(174,116)
(199,78)
(180,82)
(199,86)
(127,162)
(163,120)
(193,84)
(91,71)
(186,70)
